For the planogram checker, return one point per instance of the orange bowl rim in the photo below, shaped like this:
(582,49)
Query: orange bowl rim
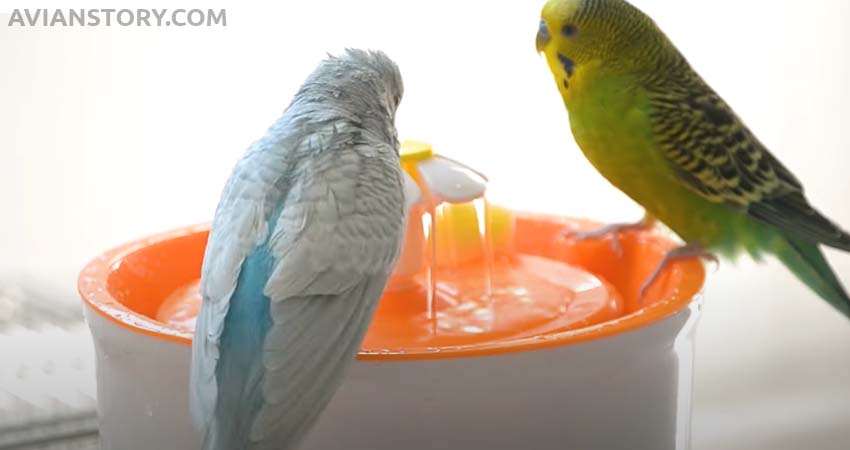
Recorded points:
(92,288)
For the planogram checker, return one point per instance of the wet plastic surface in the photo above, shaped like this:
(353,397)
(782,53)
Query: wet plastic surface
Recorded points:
(548,291)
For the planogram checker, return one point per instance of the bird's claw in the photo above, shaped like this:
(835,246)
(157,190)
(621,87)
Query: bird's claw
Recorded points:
(677,254)
(596,234)
(614,230)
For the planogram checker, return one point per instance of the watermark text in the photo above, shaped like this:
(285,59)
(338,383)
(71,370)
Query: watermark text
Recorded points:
(118,17)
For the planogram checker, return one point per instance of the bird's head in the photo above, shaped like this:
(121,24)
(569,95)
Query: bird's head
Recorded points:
(371,74)
(359,83)
(576,34)
(389,86)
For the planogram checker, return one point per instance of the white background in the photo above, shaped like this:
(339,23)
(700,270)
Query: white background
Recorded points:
(109,134)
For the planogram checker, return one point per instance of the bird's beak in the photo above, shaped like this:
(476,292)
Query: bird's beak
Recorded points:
(543,36)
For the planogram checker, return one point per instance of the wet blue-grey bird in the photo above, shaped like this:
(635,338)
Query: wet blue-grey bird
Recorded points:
(308,229)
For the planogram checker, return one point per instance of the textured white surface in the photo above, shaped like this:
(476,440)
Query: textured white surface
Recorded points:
(47,372)
(47,377)
(109,134)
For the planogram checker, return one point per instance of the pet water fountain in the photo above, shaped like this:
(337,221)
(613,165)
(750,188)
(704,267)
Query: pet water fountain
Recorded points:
(494,333)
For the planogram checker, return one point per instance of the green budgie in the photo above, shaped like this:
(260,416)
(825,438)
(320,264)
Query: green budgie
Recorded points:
(651,126)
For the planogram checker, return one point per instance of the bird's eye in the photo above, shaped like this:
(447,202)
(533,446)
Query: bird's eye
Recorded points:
(569,30)
(397,100)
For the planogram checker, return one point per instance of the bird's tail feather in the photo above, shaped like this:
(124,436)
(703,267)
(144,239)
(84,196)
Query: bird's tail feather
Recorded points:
(808,263)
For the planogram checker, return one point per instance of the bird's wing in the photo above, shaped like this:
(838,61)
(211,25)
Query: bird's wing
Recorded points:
(714,154)
(335,243)
(239,226)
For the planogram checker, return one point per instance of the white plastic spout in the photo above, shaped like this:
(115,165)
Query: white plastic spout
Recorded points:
(430,180)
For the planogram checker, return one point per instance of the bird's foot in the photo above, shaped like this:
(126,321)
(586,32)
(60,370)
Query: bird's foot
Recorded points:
(677,254)
(614,230)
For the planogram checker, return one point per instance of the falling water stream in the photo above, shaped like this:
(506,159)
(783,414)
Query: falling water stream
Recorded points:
(483,217)
(429,230)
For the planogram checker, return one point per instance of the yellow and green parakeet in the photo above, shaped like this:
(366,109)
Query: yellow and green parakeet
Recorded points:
(651,126)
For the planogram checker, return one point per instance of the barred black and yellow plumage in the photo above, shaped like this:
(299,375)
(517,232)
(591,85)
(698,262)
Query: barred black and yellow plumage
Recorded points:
(717,156)
(654,128)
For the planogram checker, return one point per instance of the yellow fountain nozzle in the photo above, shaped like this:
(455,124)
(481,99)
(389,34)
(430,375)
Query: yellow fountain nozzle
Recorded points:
(415,151)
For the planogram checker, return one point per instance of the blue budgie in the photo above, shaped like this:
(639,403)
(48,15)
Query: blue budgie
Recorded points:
(308,229)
